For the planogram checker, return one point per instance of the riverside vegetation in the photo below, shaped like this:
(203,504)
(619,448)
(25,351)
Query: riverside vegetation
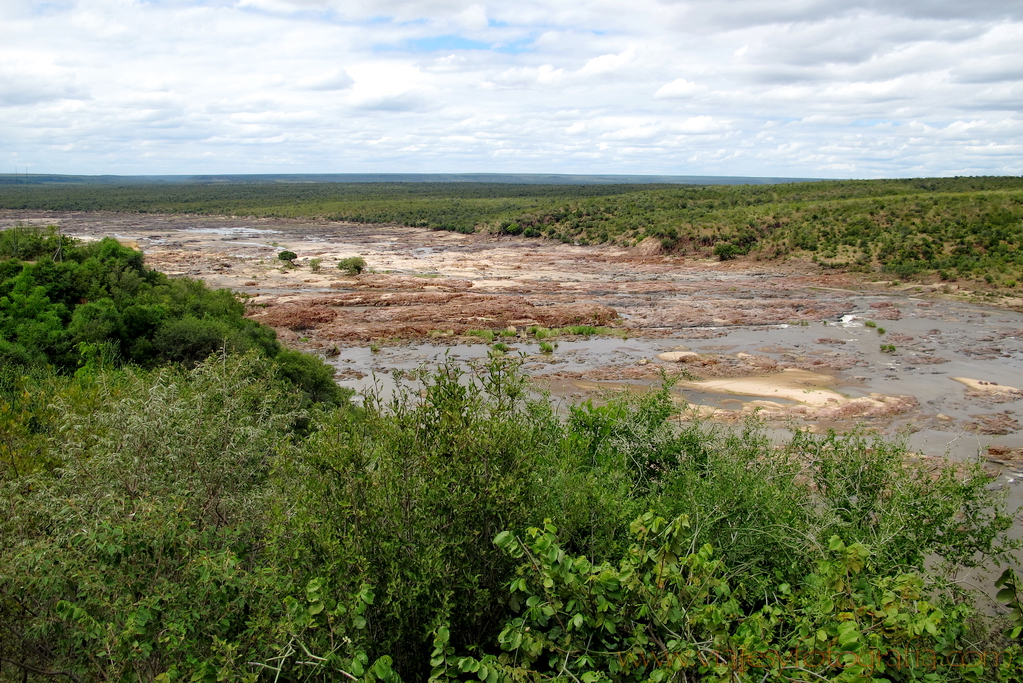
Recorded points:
(184,500)
(945,229)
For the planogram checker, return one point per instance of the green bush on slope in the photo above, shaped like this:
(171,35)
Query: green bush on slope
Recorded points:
(100,295)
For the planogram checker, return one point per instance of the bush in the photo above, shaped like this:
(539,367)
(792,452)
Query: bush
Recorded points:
(408,496)
(670,609)
(725,251)
(288,257)
(199,524)
(353,265)
(143,557)
(312,376)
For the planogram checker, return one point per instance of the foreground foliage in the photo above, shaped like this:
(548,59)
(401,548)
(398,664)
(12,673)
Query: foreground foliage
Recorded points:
(669,611)
(183,524)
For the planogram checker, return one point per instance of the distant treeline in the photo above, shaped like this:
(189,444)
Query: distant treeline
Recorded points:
(512,178)
(947,228)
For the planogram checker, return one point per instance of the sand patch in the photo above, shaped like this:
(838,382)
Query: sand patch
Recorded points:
(978,387)
(814,402)
(801,386)
(677,356)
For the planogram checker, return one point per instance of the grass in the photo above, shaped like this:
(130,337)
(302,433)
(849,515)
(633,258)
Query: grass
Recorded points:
(541,333)
(438,334)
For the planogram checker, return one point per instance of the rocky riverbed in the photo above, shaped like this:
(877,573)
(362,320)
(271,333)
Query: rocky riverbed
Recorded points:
(795,345)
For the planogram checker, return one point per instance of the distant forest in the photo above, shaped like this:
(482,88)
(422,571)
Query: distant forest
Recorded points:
(939,228)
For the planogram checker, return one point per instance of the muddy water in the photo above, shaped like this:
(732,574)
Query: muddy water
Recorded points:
(935,341)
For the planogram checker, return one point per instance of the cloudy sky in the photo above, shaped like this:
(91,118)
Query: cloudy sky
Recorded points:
(804,88)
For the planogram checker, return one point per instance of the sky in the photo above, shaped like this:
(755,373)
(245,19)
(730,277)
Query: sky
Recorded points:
(780,88)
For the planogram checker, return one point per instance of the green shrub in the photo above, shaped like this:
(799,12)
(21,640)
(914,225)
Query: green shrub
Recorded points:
(669,608)
(204,524)
(146,559)
(353,265)
(315,264)
(288,257)
(408,496)
(726,251)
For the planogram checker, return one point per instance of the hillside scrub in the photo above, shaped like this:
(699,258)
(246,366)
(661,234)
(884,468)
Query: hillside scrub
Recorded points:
(69,305)
(184,524)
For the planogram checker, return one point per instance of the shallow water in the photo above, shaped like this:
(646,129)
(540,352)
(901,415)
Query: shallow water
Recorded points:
(977,342)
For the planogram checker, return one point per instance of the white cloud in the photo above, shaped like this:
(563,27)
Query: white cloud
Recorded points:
(605,64)
(337,79)
(745,87)
(679,87)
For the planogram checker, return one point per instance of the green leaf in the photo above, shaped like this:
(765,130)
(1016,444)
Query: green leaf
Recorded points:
(382,668)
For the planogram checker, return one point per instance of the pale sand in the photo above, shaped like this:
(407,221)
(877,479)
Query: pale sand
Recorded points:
(676,356)
(987,388)
(801,386)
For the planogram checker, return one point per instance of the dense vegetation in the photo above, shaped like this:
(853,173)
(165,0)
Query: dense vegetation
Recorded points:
(67,306)
(177,510)
(943,228)
(967,227)
(446,206)
(173,524)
